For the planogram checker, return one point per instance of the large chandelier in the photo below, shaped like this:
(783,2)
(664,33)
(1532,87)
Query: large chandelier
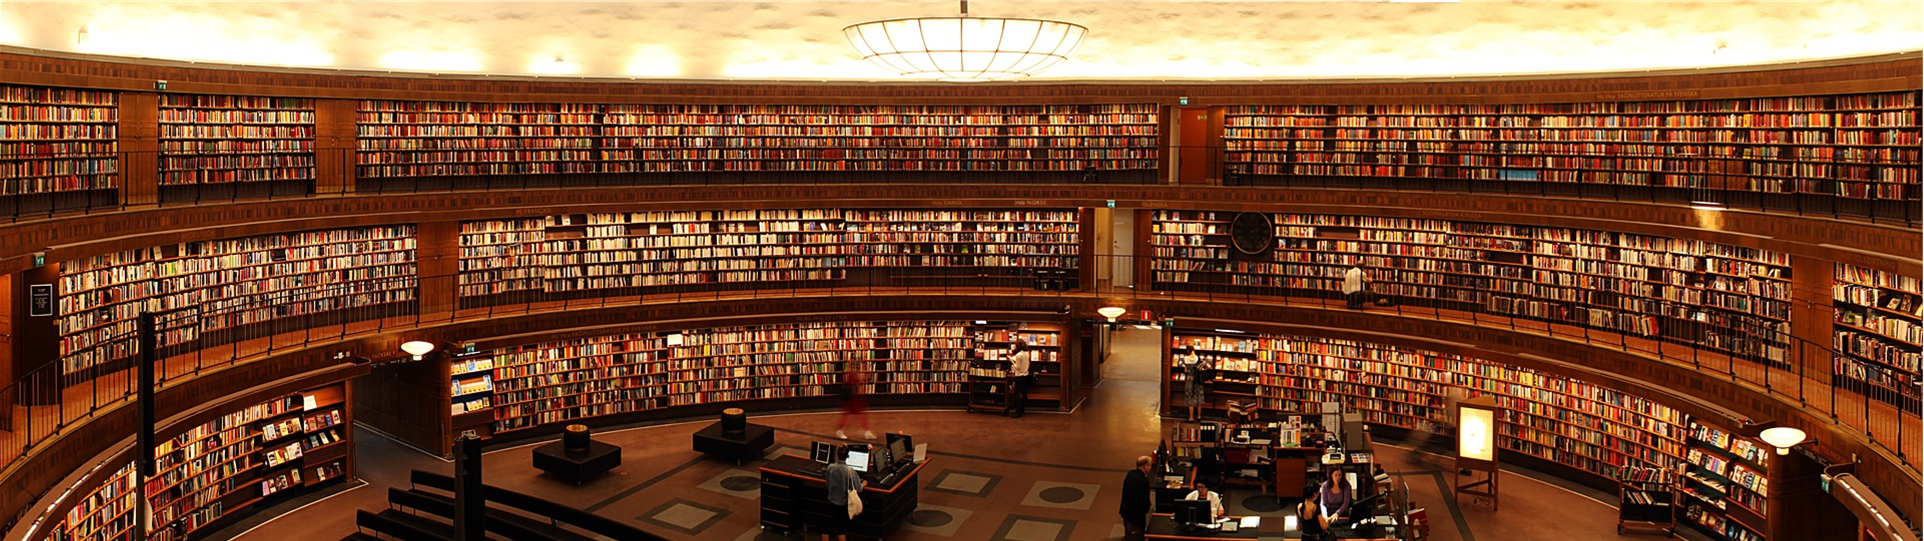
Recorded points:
(966,49)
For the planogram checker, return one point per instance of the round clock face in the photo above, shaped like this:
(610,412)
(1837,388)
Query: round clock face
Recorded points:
(1252,233)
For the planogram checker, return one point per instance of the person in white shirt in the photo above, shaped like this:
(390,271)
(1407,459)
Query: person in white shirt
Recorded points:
(1019,378)
(1215,500)
(1356,286)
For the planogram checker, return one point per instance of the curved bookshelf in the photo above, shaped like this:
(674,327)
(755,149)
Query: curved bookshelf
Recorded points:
(1714,296)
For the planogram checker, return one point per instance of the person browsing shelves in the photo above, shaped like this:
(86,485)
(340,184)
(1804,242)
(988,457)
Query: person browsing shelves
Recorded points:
(1215,500)
(1334,498)
(1356,284)
(1020,380)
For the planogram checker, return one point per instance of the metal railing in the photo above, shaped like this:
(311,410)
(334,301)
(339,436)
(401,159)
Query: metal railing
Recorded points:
(1706,182)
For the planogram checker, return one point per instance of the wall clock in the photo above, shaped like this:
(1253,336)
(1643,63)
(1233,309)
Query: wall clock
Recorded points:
(1252,233)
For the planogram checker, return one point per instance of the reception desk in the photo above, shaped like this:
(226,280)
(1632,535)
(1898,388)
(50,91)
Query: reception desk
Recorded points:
(1162,527)
(795,498)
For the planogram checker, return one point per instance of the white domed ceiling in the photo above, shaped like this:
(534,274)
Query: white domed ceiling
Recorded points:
(796,40)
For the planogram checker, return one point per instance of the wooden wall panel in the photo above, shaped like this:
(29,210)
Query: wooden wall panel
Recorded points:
(139,131)
(437,253)
(335,139)
(36,344)
(1192,126)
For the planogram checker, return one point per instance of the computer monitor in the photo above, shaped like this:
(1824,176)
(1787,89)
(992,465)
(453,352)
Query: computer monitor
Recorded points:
(883,459)
(1192,513)
(899,450)
(823,452)
(858,460)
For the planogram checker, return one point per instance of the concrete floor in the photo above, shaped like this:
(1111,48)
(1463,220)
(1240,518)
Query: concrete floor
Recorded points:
(986,480)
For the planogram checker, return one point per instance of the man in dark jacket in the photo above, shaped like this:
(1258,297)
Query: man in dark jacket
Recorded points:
(1135,500)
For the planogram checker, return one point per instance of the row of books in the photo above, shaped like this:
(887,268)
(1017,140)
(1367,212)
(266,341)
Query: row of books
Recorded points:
(1588,426)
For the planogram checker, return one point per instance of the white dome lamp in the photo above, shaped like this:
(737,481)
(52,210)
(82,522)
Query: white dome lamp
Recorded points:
(1783,438)
(417,348)
(1112,312)
(966,49)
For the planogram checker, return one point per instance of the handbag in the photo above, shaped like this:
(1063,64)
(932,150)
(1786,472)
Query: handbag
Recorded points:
(854,502)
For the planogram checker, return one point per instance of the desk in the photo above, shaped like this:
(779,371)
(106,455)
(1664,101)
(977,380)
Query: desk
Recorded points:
(795,498)
(748,444)
(577,466)
(1162,527)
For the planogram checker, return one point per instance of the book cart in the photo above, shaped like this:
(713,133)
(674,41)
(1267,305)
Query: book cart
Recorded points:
(1647,501)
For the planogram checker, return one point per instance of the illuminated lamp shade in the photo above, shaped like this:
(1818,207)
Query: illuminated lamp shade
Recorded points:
(966,49)
(417,348)
(1783,438)
(1476,434)
(1112,312)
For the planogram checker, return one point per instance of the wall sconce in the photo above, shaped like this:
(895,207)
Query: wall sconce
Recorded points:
(417,348)
(1112,312)
(1783,438)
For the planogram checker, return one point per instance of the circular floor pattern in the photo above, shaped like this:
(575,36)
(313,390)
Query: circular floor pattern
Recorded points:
(930,518)
(1061,494)
(1263,503)
(742,483)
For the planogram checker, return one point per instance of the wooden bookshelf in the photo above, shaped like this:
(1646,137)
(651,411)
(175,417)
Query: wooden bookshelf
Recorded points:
(105,514)
(1861,146)
(232,139)
(1714,296)
(594,255)
(1555,419)
(471,391)
(1878,334)
(1725,480)
(237,284)
(986,138)
(221,468)
(55,140)
(559,382)
(399,139)
(991,347)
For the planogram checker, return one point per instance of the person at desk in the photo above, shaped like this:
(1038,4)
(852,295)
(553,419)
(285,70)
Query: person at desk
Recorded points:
(1309,517)
(1333,498)
(841,478)
(1136,500)
(1215,500)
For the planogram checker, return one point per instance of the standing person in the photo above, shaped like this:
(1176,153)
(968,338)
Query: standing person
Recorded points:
(1020,380)
(841,479)
(1356,286)
(1195,374)
(854,403)
(1334,497)
(1136,501)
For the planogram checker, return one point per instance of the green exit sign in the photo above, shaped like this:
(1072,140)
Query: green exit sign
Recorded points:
(1182,100)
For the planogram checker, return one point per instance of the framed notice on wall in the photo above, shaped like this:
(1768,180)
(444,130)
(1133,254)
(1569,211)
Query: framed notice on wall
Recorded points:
(40,300)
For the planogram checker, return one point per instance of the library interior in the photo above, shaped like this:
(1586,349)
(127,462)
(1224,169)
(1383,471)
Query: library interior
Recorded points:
(1386,270)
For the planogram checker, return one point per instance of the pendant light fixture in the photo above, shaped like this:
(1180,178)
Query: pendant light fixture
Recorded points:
(964,48)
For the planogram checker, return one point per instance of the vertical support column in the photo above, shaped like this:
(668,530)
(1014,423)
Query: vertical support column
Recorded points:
(1164,142)
(36,341)
(7,373)
(1087,254)
(139,133)
(470,496)
(1799,508)
(437,254)
(1810,317)
(335,139)
(1144,280)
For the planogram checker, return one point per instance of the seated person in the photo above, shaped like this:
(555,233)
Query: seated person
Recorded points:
(1334,497)
(1215,500)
